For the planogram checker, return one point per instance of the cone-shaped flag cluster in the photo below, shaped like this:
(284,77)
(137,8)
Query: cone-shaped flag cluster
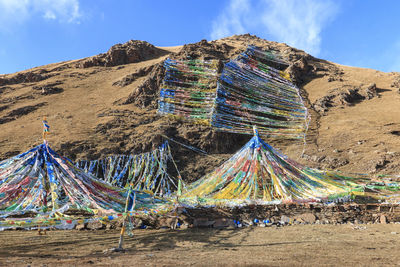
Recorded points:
(260,173)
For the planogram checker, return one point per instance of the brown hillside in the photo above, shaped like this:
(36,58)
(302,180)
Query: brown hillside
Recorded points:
(107,104)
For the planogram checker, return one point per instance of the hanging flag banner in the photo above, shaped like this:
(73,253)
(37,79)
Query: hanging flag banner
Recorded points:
(250,91)
(43,187)
(188,89)
(146,171)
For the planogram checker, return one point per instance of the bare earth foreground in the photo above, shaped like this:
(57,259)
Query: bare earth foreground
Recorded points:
(317,245)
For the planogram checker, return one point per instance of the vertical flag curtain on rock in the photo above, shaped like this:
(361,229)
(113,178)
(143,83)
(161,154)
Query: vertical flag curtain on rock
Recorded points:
(188,89)
(251,91)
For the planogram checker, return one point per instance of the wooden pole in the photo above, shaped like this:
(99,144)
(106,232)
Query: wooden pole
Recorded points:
(121,237)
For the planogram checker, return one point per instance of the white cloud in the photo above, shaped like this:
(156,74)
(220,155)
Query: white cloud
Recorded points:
(232,20)
(49,15)
(296,22)
(14,12)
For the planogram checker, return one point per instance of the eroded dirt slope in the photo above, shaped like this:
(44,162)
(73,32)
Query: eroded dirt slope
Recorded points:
(107,104)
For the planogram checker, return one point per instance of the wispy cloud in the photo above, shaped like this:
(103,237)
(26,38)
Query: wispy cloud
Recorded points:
(232,20)
(297,23)
(15,12)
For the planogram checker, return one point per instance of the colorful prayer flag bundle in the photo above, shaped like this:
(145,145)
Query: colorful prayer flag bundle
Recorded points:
(188,89)
(146,171)
(42,184)
(258,173)
(248,93)
(251,93)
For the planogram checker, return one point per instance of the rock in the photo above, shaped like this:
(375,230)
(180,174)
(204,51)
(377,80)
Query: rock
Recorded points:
(130,52)
(81,226)
(111,225)
(383,219)
(145,94)
(370,91)
(26,77)
(285,219)
(202,222)
(306,218)
(184,226)
(95,225)
(223,223)
(205,50)
(130,78)
(299,69)
(378,163)
(248,222)
(167,222)
(345,95)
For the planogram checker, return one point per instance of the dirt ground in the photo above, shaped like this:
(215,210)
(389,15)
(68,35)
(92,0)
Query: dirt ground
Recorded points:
(299,245)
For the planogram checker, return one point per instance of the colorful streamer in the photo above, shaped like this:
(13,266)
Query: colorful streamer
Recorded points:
(188,89)
(146,172)
(249,92)
(259,173)
(41,183)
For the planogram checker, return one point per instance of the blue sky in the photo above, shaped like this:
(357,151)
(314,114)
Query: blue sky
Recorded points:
(361,33)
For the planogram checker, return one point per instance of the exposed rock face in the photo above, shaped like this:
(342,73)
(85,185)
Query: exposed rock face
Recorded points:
(19,112)
(130,52)
(95,225)
(303,213)
(396,82)
(146,93)
(205,50)
(306,218)
(130,78)
(345,95)
(26,77)
(298,69)
(49,88)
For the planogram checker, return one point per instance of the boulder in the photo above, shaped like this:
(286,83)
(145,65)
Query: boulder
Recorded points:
(203,222)
(285,219)
(81,226)
(306,218)
(383,219)
(132,51)
(95,225)
(223,223)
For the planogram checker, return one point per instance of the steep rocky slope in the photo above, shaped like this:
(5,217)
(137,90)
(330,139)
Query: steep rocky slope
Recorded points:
(107,104)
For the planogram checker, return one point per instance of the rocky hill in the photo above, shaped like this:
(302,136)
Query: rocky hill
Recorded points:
(107,104)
